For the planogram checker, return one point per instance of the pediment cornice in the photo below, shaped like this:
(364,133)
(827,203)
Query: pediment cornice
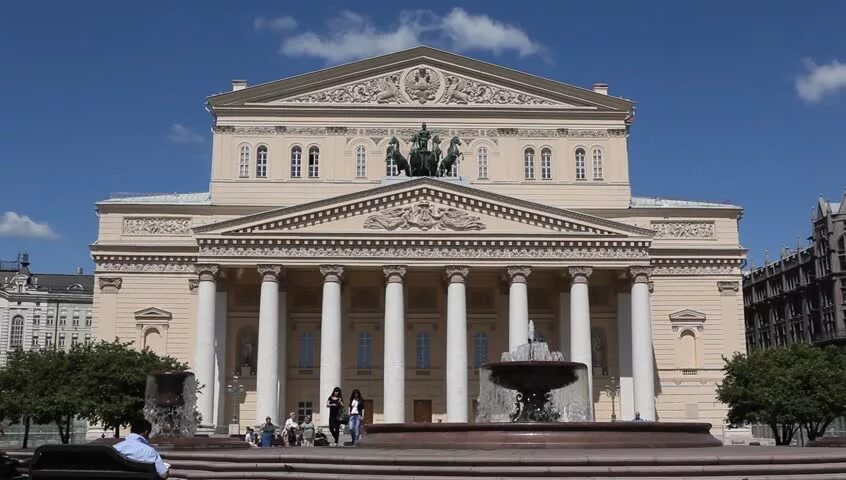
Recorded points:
(465,204)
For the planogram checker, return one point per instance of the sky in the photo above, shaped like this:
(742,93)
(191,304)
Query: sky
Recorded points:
(738,102)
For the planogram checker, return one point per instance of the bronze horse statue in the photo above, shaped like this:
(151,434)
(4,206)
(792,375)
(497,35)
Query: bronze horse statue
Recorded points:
(393,153)
(445,165)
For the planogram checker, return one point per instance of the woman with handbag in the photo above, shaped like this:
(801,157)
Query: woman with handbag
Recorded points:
(356,413)
(335,402)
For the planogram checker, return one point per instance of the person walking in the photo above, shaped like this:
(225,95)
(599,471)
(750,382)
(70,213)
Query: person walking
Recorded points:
(356,413)
(308,432)
(267,433)
(290,430)
(335,402)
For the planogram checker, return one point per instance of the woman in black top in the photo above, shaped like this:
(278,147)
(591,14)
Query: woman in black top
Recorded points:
(335,402)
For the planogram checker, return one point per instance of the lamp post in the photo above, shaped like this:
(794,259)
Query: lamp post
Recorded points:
(236,391)
(613,390)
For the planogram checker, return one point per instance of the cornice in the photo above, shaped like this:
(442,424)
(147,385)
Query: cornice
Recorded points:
(696,266)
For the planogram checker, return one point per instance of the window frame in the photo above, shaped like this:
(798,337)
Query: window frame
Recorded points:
(546,163)
(262,160)
(360,154)
(423,352)
(598,161)
(296,161)
(580,155)
(244,160)
(480,356)
(482,163)
(314,163)
(364,355)
(16,331)
(306,355)
(529,163)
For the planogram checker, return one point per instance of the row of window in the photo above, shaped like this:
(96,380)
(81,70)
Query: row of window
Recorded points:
(423,355)
(313,166)
(16,336)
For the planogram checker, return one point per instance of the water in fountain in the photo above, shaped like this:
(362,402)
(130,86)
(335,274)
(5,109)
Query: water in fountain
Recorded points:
(568,404)
(179,418)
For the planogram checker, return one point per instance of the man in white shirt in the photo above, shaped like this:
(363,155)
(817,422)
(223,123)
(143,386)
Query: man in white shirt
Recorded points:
(137,447)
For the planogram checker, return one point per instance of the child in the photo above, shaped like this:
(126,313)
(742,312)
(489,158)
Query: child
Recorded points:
(308,432)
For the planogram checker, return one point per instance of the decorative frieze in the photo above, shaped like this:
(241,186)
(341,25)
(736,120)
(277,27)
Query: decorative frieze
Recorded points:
(157,225)
(384,89)
(684,229)
(695,266)
(110,284)
(424,216)
(141,266)
(728,287)
(461,90)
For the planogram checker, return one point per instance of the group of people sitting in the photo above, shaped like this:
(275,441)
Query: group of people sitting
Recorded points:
(292,434)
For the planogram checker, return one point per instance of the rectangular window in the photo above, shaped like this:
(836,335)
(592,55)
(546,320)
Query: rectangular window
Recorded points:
(61,340)
(303,410)
(63,318)
(87,338)
(480,342)
(49,319)
(35,341)
(36,319)
(296,162)
(365,351)
(88,318)
(48,339)
(74,340)
(424,350)
(16,334)
(307,350)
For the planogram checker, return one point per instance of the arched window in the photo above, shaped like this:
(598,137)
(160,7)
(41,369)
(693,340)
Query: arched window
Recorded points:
(365,350)
(16,334)
(597,163)
(687,350)
(480,349)
(261,161)
(424,350)
(580,164)
(482,160)
(296,162)
(546,164)
(313,162)
(306,350)
(391,167)
(360,161)
(244,162)
(529,163)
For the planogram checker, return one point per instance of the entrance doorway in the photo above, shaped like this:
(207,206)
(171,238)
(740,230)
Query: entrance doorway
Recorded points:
(368,412)
(422,411)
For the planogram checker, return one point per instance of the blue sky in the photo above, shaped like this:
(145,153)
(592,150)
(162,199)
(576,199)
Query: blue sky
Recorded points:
(102,97)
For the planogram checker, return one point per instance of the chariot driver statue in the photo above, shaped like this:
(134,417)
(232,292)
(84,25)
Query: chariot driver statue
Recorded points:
(423,161)
(420,140)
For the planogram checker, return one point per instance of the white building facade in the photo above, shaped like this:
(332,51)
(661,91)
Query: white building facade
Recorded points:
(311,264)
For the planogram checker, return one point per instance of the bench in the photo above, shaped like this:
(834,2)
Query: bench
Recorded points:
(60,462)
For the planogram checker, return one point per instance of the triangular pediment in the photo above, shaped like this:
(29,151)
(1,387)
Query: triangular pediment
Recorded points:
(420,77)
(424,207)
(153,313)
(687,315)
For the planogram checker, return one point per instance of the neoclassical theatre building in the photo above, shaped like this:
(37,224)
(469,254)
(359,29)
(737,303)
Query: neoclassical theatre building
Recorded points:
(315,260)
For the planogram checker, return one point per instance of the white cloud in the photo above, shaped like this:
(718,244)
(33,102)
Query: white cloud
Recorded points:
(820,80)
(179,133)
(15,225)
(278,24)
(350,36)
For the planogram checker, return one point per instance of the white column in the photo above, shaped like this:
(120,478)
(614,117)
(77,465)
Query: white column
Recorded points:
(624,353)
(394,351)
(580,344)
(564,323)
(643,371)
(518,306)
(267,363)
(456,345)
(282,351)
(330,337)
(220,358)
(204,341)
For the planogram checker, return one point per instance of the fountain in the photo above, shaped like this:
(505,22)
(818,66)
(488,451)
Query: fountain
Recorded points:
(533,398)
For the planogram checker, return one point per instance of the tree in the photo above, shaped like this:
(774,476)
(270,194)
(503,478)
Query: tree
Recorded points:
(785,388)
(116,380)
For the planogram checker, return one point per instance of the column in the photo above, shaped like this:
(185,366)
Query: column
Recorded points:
(204,341)
(580,344)
(518,306)
(564,322)
(643,371)
(220,357)
(282,351)
(456,345)
(267,357)
(330,337)
(624,353)
(394,360)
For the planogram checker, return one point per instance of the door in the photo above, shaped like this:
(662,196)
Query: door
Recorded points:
(422,411)
(368,412)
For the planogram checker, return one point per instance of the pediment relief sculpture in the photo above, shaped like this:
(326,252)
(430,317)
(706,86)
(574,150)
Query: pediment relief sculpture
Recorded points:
(422,85)
(424,216)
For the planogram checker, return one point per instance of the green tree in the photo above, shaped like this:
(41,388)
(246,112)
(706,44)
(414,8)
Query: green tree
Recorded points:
(785,388)
(115,379)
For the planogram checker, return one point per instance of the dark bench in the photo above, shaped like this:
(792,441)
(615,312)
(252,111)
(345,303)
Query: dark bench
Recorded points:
(60,462)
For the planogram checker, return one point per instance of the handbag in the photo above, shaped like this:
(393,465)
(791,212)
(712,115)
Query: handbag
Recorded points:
(343,417)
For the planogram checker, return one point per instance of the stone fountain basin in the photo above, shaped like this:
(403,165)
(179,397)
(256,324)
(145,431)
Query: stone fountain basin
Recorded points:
(534,375)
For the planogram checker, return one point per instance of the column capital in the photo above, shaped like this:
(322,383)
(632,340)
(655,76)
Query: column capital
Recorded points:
(728,287)
(394,273)
(207,272)
(110,284)
(270,273)
(580,274)
(640,274)
(456,273)
(332,273)
(518,273)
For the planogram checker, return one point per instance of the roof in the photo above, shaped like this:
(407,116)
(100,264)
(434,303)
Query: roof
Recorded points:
(56,282)
(198,198)
(658,202)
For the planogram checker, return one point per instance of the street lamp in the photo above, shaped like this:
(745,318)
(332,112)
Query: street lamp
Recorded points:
(613,391)
(236,391)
